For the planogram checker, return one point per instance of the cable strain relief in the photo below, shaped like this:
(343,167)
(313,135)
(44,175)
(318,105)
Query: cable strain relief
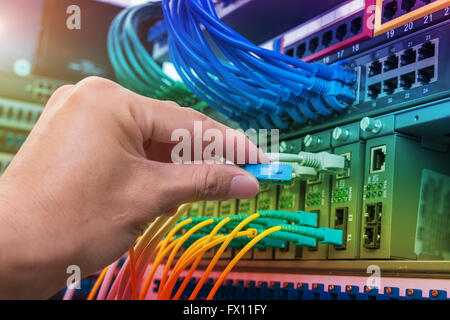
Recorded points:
(309,160)
(324,71)
(320,86)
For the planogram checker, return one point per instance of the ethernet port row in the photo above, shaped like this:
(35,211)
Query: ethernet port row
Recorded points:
(329,37)
(395,8)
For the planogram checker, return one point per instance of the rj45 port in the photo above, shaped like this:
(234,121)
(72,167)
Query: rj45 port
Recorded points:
(377,159)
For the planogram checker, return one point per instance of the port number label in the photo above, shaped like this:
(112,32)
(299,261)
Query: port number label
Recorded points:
(446,11)
(355,47)
(340,54)
(390,33)
(408,27)
(428,18)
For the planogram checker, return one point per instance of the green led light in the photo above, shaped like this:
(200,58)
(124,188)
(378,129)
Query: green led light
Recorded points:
(368,195)
(374,194)
(380,186)
(380,193)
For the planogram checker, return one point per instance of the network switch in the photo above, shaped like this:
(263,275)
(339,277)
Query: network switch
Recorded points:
(395,75)
(341,27)
(391,14)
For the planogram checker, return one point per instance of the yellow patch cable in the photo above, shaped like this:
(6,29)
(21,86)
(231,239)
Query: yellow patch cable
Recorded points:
(167,290)
(236,259)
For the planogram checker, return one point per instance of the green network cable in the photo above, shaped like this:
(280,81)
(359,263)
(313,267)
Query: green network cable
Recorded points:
(302,233)
(133,65)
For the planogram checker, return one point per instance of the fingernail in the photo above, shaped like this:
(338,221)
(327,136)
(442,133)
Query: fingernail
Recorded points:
(243,187)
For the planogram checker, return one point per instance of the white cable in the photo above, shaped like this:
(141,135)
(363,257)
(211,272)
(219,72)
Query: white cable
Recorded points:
(321,161)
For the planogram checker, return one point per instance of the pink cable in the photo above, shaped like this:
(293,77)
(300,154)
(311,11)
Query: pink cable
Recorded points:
(107,281)
(68,295)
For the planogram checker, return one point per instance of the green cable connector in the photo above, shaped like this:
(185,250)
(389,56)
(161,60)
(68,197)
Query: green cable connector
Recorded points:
(296,239)
(298,217)
(274,218)
(324,235)
(269,222)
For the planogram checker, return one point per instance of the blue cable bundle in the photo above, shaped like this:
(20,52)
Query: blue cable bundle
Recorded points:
(256,87)
(133,65)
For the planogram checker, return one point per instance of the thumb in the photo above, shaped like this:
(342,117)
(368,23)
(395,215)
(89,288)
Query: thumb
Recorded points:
(196,182)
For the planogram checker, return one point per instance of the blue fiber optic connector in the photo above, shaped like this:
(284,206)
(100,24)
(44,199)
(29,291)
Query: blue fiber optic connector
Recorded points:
(274,173)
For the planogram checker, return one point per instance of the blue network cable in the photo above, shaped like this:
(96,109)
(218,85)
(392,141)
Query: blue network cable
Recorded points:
(132,63)
(252,85)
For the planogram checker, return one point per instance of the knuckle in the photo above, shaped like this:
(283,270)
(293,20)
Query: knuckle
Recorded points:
(90,90)
(96,86)
(209,184)
(63,89)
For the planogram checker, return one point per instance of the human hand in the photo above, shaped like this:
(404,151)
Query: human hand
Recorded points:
(95,169)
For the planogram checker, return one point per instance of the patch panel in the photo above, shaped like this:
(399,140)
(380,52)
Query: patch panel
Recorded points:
(403,70)
(390,14)
(339,28)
